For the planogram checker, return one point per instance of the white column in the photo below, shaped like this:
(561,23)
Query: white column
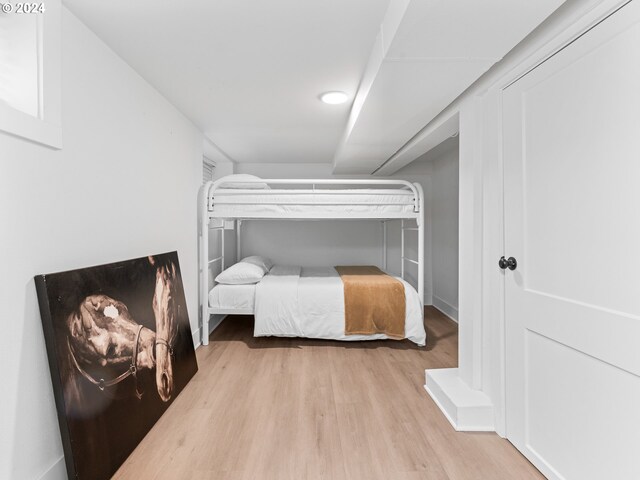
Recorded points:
(458,391)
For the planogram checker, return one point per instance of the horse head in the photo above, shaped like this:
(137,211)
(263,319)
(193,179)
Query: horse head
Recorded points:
(103,334)
(166,310)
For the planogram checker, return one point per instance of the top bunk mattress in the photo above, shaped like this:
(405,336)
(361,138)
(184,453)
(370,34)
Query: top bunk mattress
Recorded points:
(238,203)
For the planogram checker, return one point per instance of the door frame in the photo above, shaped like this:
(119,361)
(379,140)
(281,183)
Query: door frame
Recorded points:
(487,132)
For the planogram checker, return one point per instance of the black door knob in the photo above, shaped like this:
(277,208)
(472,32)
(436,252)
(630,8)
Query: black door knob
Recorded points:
(510,263)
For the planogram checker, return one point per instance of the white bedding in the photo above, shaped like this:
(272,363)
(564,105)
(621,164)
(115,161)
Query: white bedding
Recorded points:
(309,302)
(233,203)
(233,297)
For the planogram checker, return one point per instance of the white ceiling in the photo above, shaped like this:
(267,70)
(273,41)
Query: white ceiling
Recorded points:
(421,62)
(249,72)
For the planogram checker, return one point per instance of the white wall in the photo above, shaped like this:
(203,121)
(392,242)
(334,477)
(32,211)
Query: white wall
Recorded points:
(315,243)
(444,226)
(437,172)
(287,170)
(123,186)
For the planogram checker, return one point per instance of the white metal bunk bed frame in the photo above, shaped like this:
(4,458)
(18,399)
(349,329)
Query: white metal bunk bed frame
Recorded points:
(207,216)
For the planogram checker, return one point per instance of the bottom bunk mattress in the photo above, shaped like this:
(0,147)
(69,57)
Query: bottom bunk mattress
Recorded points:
(233,297)
(309,302)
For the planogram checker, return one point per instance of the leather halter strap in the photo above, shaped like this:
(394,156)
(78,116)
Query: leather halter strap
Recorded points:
(166,343)
(131,371)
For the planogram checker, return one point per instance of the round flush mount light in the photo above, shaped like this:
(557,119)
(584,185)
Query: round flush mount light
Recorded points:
(334,98)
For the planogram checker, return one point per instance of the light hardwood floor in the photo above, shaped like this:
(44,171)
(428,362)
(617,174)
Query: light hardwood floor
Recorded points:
(279,409)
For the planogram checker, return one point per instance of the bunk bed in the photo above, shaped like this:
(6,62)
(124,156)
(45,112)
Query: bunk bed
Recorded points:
(228,202)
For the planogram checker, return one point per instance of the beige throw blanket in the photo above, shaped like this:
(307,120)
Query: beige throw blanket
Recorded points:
(374,302)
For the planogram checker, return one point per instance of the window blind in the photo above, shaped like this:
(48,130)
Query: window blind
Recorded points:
(208,169)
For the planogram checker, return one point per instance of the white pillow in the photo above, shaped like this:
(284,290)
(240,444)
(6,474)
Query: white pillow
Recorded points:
(238,181)
(241,274)
(263,262)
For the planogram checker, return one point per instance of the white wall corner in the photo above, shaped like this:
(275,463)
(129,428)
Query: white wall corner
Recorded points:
(214,322)
(214,153)
(445,307)
(467,410)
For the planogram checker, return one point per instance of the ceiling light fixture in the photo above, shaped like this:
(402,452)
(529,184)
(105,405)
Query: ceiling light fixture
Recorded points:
(334,98)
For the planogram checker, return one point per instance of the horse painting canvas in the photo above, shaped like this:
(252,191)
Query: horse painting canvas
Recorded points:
(120,350)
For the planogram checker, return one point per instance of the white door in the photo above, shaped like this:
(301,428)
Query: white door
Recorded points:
(571,141)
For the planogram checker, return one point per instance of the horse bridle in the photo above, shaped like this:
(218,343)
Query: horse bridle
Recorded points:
(166,343)
(131,371)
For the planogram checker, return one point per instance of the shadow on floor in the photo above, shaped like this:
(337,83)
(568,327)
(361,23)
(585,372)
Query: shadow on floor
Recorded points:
(240,328)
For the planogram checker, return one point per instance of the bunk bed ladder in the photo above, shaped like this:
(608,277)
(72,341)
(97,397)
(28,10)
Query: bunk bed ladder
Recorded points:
(403,258)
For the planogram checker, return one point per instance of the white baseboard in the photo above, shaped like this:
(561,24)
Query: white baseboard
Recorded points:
(446,308)
(57,471)
(466,409)
(214,322)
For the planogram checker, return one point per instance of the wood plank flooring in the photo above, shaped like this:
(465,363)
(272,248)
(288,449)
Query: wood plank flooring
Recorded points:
(279,409)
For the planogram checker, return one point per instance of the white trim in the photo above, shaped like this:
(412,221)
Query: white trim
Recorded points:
(431,136)
(46,128)
(445,307)
(493,240)
(56,471)
(466,409)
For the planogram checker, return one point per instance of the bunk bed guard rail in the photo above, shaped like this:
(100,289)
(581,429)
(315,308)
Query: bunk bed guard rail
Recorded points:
(211,187)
